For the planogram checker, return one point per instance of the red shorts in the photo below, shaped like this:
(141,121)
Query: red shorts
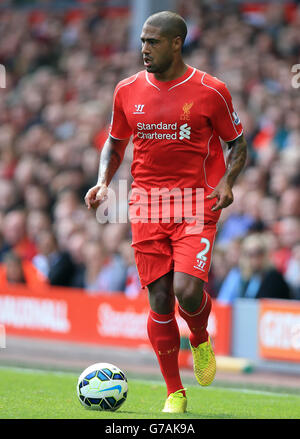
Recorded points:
(162,247)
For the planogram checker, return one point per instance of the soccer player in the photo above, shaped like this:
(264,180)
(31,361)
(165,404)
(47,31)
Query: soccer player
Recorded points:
(176,115)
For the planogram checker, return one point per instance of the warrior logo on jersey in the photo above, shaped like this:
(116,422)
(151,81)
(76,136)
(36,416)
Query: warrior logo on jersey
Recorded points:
(139,109)
(186,111)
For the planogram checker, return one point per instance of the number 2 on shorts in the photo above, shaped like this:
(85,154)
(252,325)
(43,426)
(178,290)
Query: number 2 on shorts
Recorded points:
(202,253)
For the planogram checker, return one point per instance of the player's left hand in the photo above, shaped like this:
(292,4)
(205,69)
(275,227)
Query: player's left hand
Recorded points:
(224,195)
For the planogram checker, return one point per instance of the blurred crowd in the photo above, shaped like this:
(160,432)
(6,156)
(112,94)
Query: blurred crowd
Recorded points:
(61,70)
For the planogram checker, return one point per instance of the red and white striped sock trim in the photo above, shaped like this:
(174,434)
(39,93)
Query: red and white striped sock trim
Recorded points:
(158,321)
(158,317)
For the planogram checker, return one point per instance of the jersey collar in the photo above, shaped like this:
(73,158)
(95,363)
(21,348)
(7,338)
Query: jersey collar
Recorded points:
(169,85)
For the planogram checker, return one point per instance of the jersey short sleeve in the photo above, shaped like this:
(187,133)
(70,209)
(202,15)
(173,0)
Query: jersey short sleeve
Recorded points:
(223,118)
(119,128)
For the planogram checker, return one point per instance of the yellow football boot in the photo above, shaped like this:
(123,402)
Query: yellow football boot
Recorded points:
(204,363)
(175,403)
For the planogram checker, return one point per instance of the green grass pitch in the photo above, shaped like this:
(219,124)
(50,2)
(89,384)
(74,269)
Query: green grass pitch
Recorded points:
(29,394)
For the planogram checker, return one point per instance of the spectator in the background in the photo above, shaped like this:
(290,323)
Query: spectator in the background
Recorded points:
(292,274)
(218,271)
(36,196)
(278,182)
(226,259)
(252,208)
(15,234)
(233,253)
(254,277)
(67,202)
(237,222)
(11,270)
(97,276)
(288,230)
(255,179)
(93,229)
(289,204)
(112,237)
(55,265)
(9,195)
(269,212)
(64,229)
(15,270)
(24,172)
(8,159)
(37,222)
(75,248)
(69,177)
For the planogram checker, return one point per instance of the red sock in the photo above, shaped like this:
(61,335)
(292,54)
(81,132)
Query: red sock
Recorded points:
(197,320)
(164,336)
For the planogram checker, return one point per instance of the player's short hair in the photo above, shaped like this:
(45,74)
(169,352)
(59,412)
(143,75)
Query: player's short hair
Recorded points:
(171,24)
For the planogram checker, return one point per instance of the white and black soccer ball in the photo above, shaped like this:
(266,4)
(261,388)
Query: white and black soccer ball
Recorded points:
(102,386)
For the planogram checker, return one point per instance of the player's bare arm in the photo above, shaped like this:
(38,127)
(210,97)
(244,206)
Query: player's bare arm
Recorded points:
(111,157)
(235,163)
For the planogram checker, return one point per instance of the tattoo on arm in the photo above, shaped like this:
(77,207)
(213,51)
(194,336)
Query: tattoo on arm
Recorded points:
(111,157)
(236,159)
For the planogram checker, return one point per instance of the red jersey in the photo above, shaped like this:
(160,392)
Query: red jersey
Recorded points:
(176,127)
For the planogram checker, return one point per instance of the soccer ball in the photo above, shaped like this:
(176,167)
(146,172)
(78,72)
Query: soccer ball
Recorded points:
(102,386)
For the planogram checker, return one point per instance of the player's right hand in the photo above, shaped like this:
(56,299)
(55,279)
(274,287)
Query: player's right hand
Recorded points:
(95,196)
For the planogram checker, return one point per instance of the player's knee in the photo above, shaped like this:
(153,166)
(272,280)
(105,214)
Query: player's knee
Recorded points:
(186,295)
(189,294)
(161,301)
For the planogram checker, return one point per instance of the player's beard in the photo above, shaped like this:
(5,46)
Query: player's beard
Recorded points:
(160,66)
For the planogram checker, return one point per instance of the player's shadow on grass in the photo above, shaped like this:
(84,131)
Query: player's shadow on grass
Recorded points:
(162,416)
(124,412)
